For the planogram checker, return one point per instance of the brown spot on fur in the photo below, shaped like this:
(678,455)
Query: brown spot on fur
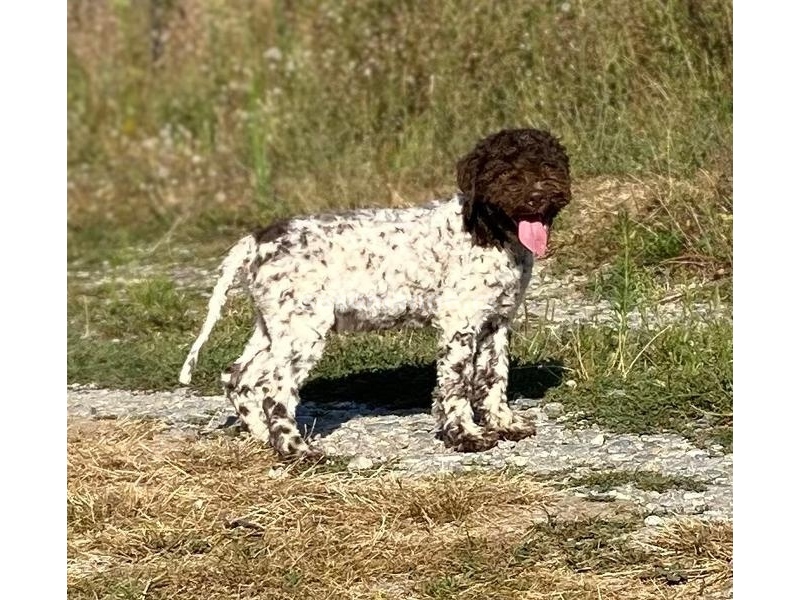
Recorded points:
(342,227)
(232,376)
(460,366)
(271,232)
(519,430)
(279,411)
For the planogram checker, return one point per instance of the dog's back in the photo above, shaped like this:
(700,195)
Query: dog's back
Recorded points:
(371,267)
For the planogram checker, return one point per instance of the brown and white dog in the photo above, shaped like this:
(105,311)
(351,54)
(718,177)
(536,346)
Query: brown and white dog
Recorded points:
(461,264)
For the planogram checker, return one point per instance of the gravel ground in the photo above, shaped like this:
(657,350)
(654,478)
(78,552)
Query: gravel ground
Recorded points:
(402,440)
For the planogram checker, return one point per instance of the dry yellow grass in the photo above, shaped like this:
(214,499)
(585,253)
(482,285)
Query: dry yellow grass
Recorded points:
(155,515)
(698,211)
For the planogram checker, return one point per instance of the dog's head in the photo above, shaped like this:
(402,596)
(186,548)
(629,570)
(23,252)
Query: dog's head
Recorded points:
(514,183)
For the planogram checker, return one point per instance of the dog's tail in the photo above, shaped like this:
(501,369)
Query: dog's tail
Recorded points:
(239,256)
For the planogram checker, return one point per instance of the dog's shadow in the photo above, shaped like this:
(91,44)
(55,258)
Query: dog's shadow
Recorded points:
(327,403)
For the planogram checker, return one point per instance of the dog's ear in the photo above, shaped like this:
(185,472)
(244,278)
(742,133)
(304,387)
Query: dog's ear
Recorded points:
(468,210)
(466,175)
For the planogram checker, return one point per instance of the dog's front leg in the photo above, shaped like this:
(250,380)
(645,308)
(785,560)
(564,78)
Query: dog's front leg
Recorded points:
(452,405)
(490,383)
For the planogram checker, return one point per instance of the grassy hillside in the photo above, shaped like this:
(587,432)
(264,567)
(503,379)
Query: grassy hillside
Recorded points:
(192,115)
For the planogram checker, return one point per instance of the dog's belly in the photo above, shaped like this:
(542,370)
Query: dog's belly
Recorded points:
(371,313)
(352,320)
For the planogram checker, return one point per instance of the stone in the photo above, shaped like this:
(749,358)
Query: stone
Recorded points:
(654,508)
(359,463)
(276,473)
(693,496)
(524,403)
(553,409)
(653,521)
(619,447)
(517,461)
(598,440)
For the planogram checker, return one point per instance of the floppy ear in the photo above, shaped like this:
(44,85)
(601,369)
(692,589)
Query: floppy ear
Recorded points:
(466,172)
(468,210)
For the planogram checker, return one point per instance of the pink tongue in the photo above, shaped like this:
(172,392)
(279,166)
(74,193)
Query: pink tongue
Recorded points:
(533,236)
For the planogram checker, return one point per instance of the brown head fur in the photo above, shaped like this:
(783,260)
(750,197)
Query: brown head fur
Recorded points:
(512,175)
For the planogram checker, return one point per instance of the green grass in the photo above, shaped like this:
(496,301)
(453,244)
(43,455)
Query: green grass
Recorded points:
(686,232)
(669,382)
(582,545)
(644,480)
(251,111)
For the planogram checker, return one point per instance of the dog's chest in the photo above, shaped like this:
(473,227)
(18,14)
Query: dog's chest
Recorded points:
(489,282)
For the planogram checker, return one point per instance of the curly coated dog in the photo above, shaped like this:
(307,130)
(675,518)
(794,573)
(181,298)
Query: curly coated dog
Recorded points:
(461,264)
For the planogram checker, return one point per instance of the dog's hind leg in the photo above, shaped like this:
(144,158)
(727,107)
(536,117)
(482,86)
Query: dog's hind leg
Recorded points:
(299,342)
(490,383)
(240,381)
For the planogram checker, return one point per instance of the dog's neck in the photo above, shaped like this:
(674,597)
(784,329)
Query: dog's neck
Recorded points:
(490,227)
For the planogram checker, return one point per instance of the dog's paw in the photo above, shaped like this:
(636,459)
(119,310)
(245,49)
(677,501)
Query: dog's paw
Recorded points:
(463,441)
(519,429)
(307,458)
(309,455)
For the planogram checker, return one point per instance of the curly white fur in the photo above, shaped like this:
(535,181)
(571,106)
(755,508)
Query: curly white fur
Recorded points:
(375,269)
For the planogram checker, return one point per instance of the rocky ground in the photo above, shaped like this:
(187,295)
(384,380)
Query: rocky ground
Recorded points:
(403,440)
